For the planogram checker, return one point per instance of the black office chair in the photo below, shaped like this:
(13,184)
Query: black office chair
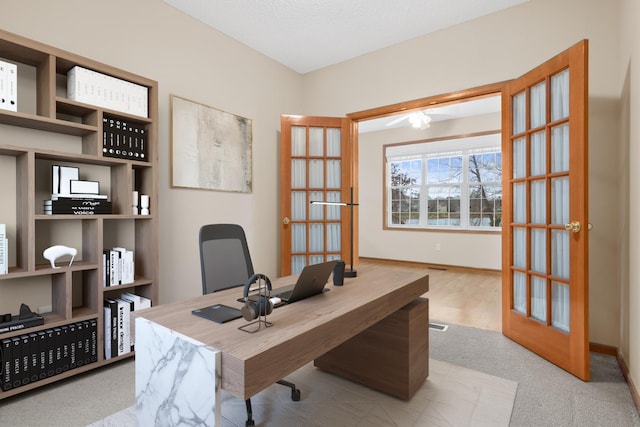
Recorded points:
(225,263)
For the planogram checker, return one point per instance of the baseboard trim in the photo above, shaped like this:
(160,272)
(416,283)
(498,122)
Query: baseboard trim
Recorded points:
(625,373)
(613,351)
(431,265)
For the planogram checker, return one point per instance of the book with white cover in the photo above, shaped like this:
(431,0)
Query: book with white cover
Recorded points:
(12,87)
(55,179)
(78,196)
(91,87)
(6,256)
(67,174)
(139,302)
(4,250)
(124,327)
(128,267)
(107,332)
(84,187)
(3,85)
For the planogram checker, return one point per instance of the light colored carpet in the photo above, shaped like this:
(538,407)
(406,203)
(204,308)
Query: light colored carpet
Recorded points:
(451,396)
(547,395)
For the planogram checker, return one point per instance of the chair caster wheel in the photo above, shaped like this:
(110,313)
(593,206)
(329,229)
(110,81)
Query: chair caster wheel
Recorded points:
(295,395)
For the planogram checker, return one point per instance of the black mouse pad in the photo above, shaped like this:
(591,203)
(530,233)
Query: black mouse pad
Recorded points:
(219,313)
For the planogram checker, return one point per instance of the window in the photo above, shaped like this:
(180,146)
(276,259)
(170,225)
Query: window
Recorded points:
(445,184)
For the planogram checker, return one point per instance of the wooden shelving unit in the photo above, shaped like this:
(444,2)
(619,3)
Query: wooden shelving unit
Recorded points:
(50,129)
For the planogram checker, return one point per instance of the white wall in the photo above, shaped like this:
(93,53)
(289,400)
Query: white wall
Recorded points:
(488,50)
(152,39)
(630,167)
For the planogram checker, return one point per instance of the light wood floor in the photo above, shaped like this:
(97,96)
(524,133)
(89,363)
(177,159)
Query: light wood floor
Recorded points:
(459,296)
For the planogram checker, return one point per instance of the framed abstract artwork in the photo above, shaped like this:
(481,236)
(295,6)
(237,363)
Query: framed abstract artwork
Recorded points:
(211,149)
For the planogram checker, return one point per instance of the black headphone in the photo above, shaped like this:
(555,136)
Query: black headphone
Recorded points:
(252,309)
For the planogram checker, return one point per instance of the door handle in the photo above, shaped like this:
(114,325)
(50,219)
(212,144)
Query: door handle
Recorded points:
(286,221)
(573,226)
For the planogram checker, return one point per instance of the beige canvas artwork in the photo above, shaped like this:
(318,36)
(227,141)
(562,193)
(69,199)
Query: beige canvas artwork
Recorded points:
(211,149)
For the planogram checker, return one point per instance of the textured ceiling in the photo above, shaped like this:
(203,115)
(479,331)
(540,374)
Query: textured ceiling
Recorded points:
(306,35)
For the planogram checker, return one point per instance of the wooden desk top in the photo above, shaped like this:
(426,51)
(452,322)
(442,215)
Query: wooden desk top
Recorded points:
(301,331)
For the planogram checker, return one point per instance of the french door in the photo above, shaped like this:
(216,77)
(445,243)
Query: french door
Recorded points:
(315,164)
(545,214)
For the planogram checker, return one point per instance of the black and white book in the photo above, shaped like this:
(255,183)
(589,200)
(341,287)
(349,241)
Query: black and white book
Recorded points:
(67,174)
(25,359)
(51,352)
(112,334)
(72,206)
(43,346)
(73,345)
(66,348)
(16,355)
(6,369)
(124,328)
(125,268)
(93,344)
(58,344)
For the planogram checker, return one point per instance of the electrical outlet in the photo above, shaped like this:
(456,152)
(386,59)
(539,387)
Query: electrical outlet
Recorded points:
(437,247)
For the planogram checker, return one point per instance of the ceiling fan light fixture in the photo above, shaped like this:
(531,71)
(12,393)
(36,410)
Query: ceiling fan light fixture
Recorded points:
(419,120)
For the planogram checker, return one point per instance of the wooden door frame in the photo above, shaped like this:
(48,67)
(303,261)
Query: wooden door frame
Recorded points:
(406,107)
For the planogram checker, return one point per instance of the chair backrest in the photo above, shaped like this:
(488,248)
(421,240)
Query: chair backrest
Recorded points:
(224,257)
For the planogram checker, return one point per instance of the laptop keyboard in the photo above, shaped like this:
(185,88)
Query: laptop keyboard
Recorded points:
(284,295)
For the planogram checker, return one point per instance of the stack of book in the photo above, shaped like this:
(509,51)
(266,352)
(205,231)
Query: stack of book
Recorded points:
(72,196)
(42,354)
(91,87)
(117,323)
(8,86)
(118,267)
(123,139)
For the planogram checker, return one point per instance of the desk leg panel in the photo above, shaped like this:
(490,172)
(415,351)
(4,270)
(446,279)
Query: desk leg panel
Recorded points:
(391,356)
(177,378)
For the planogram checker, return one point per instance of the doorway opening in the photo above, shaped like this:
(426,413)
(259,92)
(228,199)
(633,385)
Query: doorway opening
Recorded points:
(467,289)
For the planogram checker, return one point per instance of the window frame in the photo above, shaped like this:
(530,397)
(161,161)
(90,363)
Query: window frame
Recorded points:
(464,185)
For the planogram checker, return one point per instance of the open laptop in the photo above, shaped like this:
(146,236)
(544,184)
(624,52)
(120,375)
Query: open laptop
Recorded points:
(310,282)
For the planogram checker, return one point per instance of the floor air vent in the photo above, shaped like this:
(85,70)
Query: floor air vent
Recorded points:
(438,327)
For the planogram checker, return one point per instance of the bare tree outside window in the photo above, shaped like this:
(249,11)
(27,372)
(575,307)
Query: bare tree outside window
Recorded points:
(405,191)
(485,190)
(452,188)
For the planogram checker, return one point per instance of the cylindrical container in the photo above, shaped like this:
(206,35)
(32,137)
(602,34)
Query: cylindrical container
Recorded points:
(338,273)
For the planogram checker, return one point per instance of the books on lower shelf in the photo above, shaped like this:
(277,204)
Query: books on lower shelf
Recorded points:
(4,250)
(8,86)
(42,354)
(117,323)
(118,267)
